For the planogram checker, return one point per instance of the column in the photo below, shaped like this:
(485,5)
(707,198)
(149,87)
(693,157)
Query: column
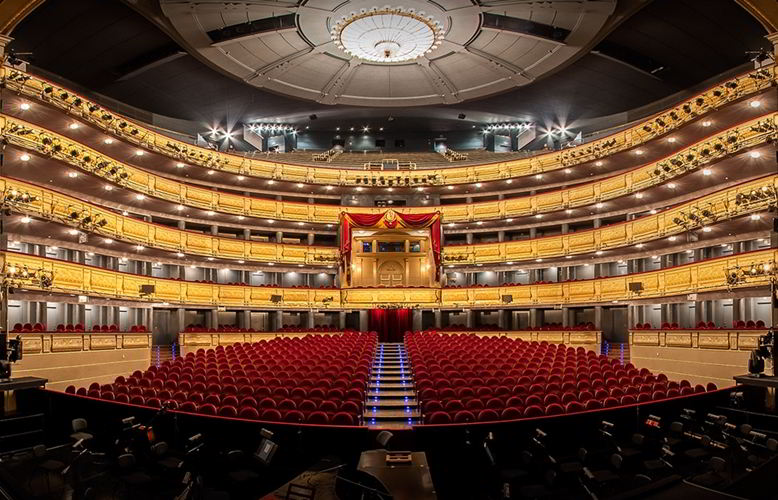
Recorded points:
(469,320)
(566,317)
(438,318)
(342,320)
(364,324)
(598,317)
(533,318)
(309,319)
(415,319)
(279,320)
(501,319)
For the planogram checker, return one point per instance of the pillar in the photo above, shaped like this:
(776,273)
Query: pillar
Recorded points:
(342,320)
(438,318)
(415,320)
(364,323)
(598,317)
(469,320)
(279,320)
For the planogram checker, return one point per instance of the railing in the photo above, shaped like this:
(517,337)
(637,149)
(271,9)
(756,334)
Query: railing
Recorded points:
(750,134)
(698,277)
(719,206)
(58,207)
(134,133)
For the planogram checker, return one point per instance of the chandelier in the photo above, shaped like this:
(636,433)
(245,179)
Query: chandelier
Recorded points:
(387,34)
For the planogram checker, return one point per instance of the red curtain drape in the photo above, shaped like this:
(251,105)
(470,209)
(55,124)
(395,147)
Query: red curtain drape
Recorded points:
(391,324)
(412,221)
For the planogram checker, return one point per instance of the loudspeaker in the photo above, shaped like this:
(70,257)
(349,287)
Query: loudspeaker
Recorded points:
(275,299)
(147,289)
(462,116)
(507,299)
(635,287)
(312,117)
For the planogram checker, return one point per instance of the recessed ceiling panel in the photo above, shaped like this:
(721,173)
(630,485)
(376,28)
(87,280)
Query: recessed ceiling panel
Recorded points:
(377,41)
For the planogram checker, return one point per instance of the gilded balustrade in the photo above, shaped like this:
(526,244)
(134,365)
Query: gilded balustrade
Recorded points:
(57,207)
(81,107)
(704,276)
(722,205)
(746,135)
(87,280)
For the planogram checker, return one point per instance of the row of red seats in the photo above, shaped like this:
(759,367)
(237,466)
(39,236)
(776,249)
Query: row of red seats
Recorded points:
(462,378)
(221,328)
(314,379)
(40,327)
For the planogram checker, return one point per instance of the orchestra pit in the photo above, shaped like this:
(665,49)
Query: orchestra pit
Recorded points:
(453,249)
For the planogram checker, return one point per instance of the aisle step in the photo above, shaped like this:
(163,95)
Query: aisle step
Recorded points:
(392,402)
(390,378)
(391,394)
(390,385)
(392,413)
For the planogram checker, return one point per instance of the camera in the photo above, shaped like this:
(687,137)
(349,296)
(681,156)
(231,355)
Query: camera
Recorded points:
(765,350)
(10,352)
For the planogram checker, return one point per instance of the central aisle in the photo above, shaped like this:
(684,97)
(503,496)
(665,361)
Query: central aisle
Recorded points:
(391,397)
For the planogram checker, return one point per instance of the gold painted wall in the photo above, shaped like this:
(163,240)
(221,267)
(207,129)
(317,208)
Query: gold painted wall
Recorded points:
(80,359)
(700,356)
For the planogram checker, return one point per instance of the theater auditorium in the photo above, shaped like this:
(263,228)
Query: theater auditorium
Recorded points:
(452,249)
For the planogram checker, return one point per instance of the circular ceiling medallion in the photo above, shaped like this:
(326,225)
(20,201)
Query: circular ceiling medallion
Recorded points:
(387,34)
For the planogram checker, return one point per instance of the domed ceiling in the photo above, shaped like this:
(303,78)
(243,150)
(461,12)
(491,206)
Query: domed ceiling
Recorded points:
(364,52)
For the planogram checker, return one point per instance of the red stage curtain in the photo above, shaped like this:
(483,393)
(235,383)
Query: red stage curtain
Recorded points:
(413,221)
(391,324)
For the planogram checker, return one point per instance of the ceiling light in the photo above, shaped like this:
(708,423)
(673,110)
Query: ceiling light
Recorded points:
(300,184)
(107,241)
(568,256)
(420,188)
(509,181)
(480,222)
(568,211)
(271,182)
(139,247)
(706,171)
(754,104)
(598,164)
(25,106)
(538,176)
(755,216)
(140,197)
(359,188)
(598,252)
(73,232)
(672,238)
(539,216)
(193,266)
(240,178)
(638,152)
(271,221)
(329,188)
(390,189)
(652,211)
(209,258)
(755,154)
(180,165)
(706,123)
(180,207)
(72,175)
(690,251)
(210,213)
(671,185)
(139,152)
(25,157)
(639,195)
(671,139)
(301,223)
(598,205)
(478,184)
(567,170)
(211,172)
(241,262)
(706,229)
(509,220)
(654,256)
(240,217)
(450,187)
(108,140)
(538,260)
(271,264)
(27,220)
(73,126)
(179,254)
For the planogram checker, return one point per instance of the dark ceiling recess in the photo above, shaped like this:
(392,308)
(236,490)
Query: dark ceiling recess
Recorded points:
(525,27)
(628,56)
(252,28)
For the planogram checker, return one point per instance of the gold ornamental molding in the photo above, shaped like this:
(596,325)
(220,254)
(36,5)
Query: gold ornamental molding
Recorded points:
(721,205)
(750,134)
(57,207)
(658,125)
(703,276)
(765,11)
(13,11)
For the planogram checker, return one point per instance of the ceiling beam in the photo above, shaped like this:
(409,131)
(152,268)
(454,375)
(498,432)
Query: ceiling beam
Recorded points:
(332,90)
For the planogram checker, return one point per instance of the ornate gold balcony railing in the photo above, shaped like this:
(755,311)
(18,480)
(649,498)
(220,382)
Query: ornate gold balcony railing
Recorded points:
(705,276)
(658,125)
(61,208)
(750,134)
(718,206)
